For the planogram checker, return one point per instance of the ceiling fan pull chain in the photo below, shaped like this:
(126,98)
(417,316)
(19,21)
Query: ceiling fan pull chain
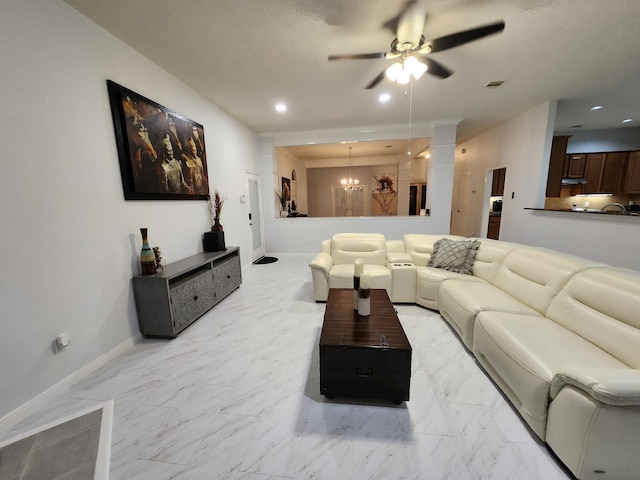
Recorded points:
(410,86)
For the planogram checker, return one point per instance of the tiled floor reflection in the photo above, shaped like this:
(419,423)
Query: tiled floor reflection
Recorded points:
(236,396)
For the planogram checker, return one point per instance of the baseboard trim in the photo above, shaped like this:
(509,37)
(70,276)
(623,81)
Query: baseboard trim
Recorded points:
(32,405)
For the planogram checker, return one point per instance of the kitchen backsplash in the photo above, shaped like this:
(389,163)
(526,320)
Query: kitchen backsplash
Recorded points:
(591,201)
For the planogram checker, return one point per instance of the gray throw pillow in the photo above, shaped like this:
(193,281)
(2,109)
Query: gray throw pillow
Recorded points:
(454,255)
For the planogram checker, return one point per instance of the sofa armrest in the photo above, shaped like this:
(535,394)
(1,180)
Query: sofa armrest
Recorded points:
(611,386)
(323,262)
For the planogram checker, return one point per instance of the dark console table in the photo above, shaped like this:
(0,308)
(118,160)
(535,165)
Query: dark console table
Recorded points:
(363,356)
(171,300)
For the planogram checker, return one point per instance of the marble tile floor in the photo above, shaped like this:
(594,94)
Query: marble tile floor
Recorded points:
(236,396)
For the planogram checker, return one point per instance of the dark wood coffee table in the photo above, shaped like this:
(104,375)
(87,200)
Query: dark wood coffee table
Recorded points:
(363,356)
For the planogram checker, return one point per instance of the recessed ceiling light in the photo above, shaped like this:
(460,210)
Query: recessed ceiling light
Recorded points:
(384,98)
(627,120)
(597,107)
(281,107)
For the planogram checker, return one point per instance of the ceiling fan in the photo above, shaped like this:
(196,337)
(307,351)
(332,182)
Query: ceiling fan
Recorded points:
(411,49)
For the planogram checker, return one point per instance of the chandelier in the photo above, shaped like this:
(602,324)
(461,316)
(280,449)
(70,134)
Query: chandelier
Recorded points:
(350,183)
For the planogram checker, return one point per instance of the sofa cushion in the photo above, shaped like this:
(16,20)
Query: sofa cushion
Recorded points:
(534,276)
(460,301)
(346,247)
(454,255)
(602,305)
(523,353)
(420,246)
(342,276)
(428,280)
(490,256)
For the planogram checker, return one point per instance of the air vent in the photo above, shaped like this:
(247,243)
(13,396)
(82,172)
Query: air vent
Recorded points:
(495,84)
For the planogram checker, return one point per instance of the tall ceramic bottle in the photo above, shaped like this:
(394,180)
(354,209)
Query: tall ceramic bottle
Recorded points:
(147,257)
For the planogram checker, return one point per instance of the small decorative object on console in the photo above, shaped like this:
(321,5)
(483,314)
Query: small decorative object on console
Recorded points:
(214,240)
(158,256)
(147,258)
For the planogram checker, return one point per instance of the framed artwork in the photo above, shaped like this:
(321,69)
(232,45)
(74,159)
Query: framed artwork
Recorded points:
(286,188)
(384,196)
(162,153)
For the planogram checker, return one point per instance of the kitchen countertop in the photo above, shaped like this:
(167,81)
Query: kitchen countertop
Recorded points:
(578,212)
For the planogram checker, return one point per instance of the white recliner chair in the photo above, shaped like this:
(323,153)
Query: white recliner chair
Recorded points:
(334,266)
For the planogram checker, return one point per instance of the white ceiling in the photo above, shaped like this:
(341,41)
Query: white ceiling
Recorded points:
(247,55)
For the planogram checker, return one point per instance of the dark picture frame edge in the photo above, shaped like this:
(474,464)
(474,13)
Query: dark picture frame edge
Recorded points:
(131,187)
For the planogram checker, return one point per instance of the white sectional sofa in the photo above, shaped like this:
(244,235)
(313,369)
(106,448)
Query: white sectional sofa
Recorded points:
(558,334)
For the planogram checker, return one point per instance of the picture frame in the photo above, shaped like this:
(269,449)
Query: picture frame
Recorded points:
(162,153)
(286,188)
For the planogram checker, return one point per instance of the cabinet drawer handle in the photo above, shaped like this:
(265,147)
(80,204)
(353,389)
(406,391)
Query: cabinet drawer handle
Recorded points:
(360,373)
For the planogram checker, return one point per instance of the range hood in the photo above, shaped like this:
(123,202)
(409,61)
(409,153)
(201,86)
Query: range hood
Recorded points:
(573,181)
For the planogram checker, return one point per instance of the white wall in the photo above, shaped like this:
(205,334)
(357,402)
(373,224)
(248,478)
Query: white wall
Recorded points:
(69,240)
(606,140)
(522,144)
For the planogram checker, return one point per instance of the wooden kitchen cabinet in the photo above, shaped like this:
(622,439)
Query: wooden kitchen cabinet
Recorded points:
(497,185)
(604,172)
(632,184)
(575,166)
(556,165)
(493,230)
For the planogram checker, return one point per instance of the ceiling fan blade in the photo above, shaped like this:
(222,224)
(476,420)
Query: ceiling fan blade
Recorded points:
(357,56)
(435,68)
(376,80)
(460,38)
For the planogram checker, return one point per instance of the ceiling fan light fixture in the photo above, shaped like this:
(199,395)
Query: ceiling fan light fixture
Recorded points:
(404,77)
(415,67)
(401,72)
(394,71)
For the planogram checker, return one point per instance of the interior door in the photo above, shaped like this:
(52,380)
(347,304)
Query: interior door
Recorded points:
(256,222)
(461,212)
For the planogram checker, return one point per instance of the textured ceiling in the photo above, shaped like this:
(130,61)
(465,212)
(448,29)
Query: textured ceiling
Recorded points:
(246,55)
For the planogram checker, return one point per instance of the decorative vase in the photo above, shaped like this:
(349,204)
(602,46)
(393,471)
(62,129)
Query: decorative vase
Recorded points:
(358,270)
(147,257)
(217,226)
(364,302)
(364,296)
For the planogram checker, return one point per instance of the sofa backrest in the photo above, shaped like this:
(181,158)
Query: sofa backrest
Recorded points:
(602,305)
(490,256)
(420,246)
(346,247)
(534,276)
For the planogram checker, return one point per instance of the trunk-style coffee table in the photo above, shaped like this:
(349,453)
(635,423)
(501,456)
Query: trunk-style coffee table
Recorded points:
(363,356)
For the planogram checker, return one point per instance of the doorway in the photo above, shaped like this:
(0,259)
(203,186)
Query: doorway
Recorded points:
(256,223)
(497,179)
